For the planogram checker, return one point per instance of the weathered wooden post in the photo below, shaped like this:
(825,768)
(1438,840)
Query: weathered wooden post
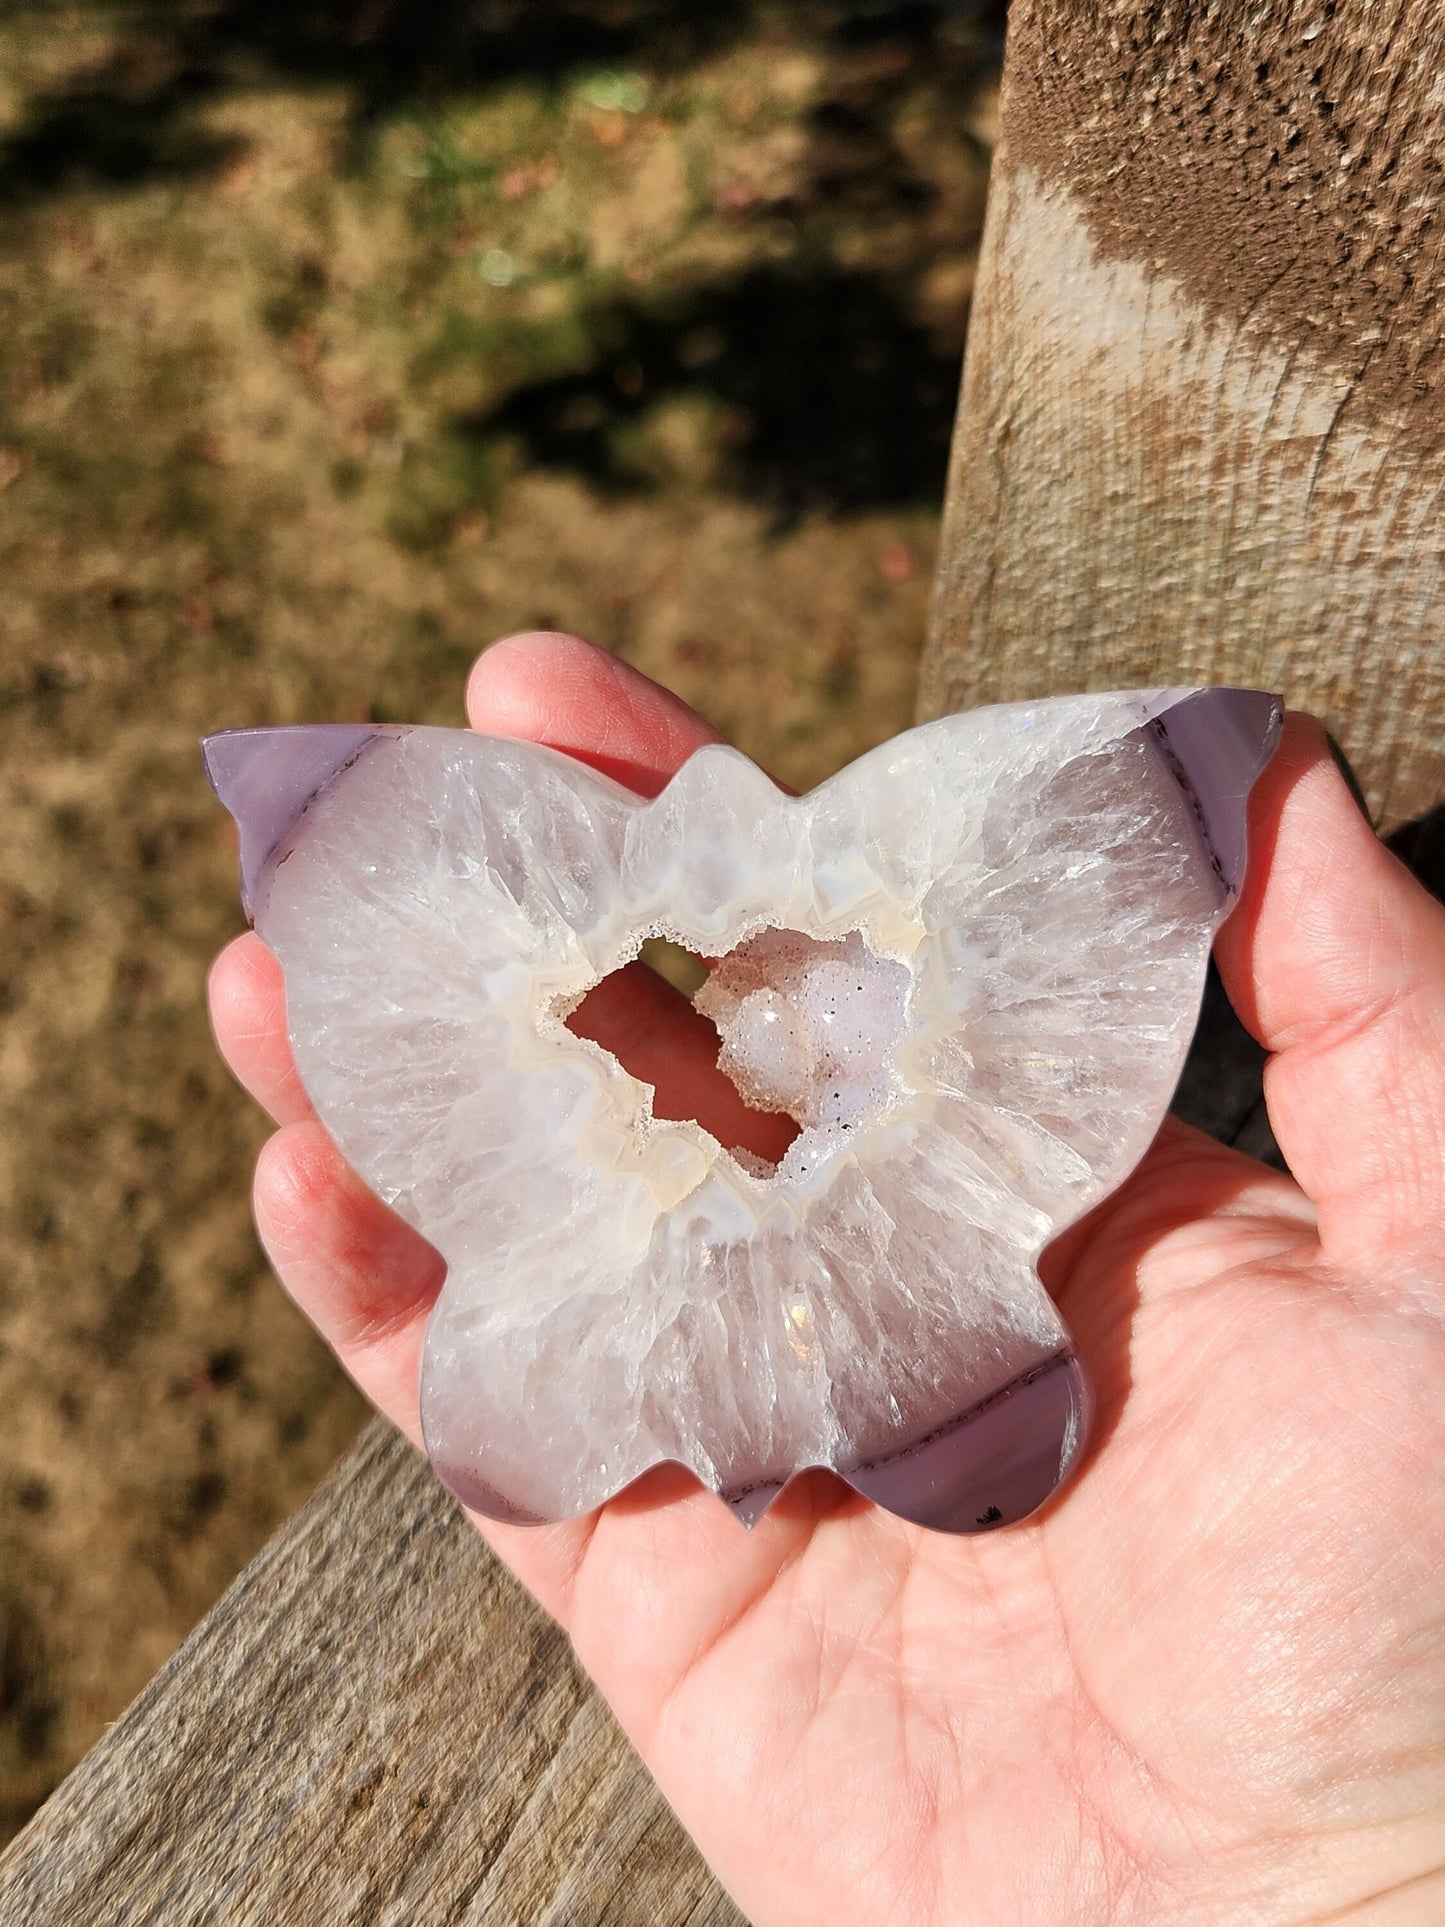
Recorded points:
(374,1724)
(1201,438)
(1202,435)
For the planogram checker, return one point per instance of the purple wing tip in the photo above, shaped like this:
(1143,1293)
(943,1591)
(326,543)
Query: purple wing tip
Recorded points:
(997,1464)
(1216,742)
(267,777)
(994,1465)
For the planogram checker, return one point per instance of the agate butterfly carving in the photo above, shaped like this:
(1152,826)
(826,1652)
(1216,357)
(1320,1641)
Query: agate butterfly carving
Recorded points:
(968,965)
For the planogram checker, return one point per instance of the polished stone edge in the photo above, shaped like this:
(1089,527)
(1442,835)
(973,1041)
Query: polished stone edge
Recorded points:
(992,1465)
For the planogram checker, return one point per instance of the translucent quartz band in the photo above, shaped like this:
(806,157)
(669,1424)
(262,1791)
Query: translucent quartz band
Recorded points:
(968,965)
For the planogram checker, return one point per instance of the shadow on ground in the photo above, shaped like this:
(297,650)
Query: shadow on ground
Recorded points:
(129,116)
(832,395)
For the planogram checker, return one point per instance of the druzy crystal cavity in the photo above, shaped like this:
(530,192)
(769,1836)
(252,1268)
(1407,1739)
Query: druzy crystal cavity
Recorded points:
(968,966)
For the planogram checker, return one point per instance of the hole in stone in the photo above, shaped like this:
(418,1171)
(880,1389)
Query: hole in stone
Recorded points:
(784,1033)
(675,965)
(644,1015)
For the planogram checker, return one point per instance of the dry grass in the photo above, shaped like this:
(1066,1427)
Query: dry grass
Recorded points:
(328,356)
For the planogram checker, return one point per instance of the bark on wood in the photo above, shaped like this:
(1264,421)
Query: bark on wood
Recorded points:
(1202,431)
(374,1725)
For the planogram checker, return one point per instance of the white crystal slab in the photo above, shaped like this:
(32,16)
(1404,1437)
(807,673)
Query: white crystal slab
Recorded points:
(1014,908)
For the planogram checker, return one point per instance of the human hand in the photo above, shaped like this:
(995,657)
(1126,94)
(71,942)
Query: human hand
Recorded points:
(1207,1682)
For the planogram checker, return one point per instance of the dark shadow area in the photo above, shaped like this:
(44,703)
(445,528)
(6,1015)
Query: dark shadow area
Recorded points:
(878,55)
(1221,1089)
(833,396)
(1420,846)
(391,51)
(100,133)
(126,118)
(29,1712)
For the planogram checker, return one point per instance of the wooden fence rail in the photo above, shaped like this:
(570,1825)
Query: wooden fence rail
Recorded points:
(1201,436)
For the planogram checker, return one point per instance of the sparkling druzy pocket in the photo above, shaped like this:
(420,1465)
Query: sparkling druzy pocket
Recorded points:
(968,966)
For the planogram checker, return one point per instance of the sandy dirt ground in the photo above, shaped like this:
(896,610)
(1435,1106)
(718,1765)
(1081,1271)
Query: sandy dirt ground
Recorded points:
(334,343)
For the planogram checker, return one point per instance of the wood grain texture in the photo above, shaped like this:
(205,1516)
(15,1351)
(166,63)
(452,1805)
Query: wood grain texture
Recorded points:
(375,1725)
(1202,428)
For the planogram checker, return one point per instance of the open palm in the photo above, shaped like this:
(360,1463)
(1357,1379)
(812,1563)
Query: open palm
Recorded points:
(1208,1681)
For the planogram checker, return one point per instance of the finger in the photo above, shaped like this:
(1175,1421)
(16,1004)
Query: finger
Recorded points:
(363,1276)
(1335,959)
(248,1016)
(561,691)
(655,1032)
